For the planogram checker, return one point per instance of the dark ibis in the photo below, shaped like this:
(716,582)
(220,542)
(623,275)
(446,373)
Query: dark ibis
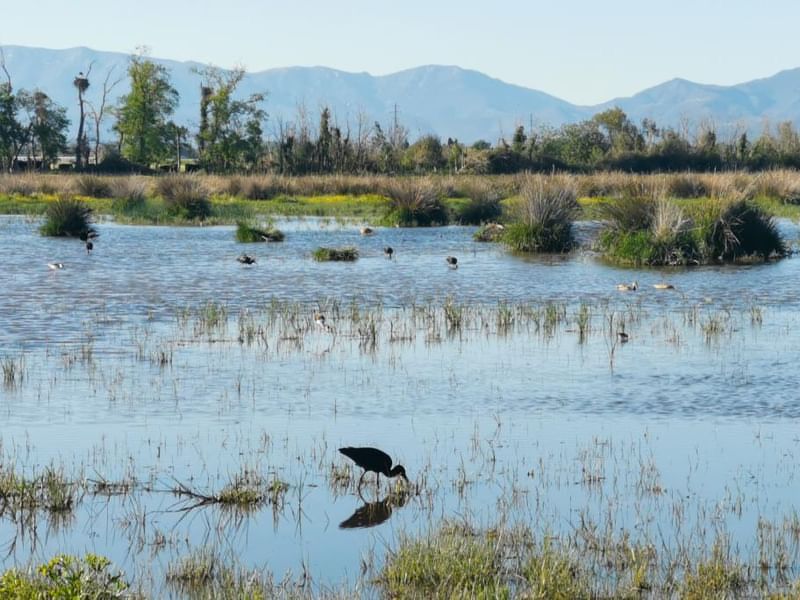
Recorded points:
(372,459)
(452,261)
(388,252)
(623,337)
(89,246)
(246,259)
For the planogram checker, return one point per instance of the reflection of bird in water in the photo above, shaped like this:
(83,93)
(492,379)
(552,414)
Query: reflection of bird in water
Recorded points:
(372,459)
(374,513)
(452,261)
(628,287)
(246,259)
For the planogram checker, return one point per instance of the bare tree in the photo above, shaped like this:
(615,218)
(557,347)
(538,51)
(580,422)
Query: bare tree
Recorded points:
(98,113)
(81,83)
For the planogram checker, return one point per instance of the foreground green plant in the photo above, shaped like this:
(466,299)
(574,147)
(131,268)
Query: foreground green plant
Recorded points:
(347,254)
(66,577)
(544,217)
(247,233)
(67,217)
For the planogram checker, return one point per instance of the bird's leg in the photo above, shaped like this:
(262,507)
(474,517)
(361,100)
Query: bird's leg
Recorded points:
(378,481)
(358,488)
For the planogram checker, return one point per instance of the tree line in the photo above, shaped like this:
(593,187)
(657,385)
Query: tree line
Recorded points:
(230,136)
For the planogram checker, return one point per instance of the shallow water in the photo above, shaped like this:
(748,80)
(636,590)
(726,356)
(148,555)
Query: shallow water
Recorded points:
(488,421)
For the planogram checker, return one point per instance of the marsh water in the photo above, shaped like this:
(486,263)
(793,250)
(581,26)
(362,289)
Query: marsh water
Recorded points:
(161,362)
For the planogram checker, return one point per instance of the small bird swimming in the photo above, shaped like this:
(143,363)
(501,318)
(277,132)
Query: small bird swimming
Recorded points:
(388,251)
(452,261)
(663,286)
(367,231)
(628,287)
(246,259)
(55,266)
(372,459)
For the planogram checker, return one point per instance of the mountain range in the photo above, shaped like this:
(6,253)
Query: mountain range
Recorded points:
(444,100)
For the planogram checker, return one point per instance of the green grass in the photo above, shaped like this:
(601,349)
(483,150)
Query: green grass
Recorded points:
(246,233)
(66,577)
(67,217)
(347,254)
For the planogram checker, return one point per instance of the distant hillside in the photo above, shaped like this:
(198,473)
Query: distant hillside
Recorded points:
(445,100)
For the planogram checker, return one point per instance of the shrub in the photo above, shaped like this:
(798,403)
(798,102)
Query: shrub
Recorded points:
(261,188)
(483,205)
(67,217)
(335,254)
(415,202)
(185,196)
(247,233)
(545,214)
(93,186)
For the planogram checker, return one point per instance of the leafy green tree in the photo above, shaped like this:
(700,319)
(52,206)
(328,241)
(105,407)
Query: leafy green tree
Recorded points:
(12,133)
(623,135)
(424,155)
(48,128)
(143,114)
(231,130)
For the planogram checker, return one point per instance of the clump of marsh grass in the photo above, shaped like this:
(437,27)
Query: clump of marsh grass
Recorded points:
(185,196)
(483,203)
(93,186)
(715,577)
(415,202)
(451,563)
(248,233)
(490,232)
(67,217)
(347,254)
(544,216)
(743,230)
(13,371)
(130,194)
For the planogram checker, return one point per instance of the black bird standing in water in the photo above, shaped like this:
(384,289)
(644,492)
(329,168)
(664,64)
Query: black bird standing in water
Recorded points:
(372,459)
(389,252)
(452,261)
(87,236)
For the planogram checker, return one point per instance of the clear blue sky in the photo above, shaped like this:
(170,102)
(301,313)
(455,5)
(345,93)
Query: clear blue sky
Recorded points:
(585,51)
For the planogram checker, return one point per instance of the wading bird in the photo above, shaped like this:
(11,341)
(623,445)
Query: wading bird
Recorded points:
(87,237)
(452,261)
(628,287)
(372,459)
(89,246)
(388,252)
(246,259)
(623,337)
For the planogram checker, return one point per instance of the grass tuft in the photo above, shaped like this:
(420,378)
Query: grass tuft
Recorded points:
(67,217)
(347,254)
